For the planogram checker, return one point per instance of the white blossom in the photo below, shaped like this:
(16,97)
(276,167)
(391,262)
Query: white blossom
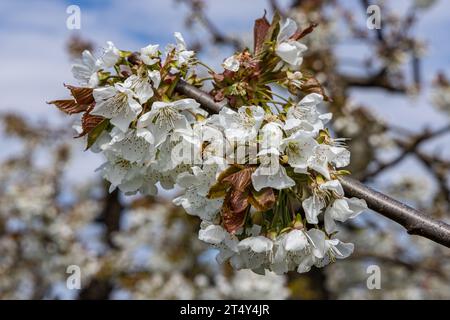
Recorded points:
(291,248)
(242,125)
(143,84)
(110,56)
(85,71)
(342,210)
(231,64)
(218,237)
(166,117)
(196,186)
(116,103)
(305,116)
(289,50)
(255,253)
(150,54)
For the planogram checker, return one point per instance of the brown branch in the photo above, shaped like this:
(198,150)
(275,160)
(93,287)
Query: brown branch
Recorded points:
(415,222)
(377,80)
(408,148)
(218,37)
(439,169)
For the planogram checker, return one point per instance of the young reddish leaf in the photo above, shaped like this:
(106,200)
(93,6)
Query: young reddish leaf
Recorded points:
(219,96)
(89,122)
(232,220)
(262,200)
(238,200)
(218,77)
(240,180)
(83,96)
(259,34)
(312,85)
(69,106)
(300,34)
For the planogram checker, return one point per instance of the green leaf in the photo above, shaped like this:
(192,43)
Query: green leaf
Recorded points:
(95,133)
(228,171)
(262,200)
(270,35)
(218,190)
(125,54)
(343,172)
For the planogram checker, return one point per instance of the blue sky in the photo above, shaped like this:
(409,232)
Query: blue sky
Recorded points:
(34,64)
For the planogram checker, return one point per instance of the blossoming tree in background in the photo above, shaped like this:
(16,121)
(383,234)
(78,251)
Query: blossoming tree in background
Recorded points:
(153,255)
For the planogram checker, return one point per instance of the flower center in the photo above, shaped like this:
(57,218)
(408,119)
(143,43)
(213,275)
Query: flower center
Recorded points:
(167,115)
(119,102)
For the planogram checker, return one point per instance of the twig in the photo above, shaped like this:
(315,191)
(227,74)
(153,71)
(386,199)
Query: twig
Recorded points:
(379,79)
(200,96)
(415,222)
(408,148)
(217,35)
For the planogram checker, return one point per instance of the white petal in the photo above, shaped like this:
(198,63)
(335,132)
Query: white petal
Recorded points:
(343,250)
(333,185)
(312,99)
(155,76)
(231,63)
(306,263)
(110,56)
(145,120)
(317,239)
(295,241)
(313,206)
(135,107)
(123,120)
(319,162)
(341,156)
(180,41)
(291,52)
(213,234)
(356,205)
(257,244)
(279,180)
(271,136)
(287,30)
(105,93)
(146,134)
(149,53)
(330,224)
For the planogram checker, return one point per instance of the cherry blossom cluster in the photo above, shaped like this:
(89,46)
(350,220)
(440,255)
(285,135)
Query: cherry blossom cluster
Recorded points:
(262,174)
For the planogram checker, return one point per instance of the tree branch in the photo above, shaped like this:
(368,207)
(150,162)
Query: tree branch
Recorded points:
(408,148)
(217,36)
(415,222)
